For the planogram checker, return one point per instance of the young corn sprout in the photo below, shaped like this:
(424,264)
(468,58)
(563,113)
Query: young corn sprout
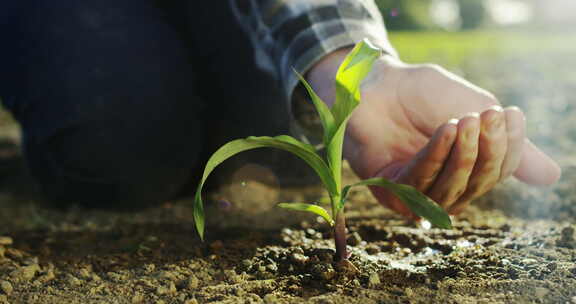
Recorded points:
(348,78)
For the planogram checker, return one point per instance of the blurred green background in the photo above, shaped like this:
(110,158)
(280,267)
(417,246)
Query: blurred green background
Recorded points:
(524,51)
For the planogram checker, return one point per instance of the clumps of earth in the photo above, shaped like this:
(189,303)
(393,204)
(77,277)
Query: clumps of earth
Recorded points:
(487,258)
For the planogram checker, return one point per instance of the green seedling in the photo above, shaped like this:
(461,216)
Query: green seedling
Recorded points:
(329,168)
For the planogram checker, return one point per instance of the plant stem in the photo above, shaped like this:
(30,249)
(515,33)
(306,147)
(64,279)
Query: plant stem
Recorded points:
(340,237)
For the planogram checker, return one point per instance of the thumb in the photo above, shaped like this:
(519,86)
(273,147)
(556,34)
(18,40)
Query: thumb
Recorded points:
(536,168)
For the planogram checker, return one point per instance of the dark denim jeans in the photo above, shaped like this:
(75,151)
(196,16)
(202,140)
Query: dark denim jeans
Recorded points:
(118,98)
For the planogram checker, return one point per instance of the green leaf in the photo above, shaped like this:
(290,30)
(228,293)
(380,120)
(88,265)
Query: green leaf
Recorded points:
(350,74)
(283,142)
(309,208)
(324,113)
(417,202)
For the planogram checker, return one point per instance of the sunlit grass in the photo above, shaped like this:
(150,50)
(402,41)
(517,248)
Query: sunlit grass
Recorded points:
(453,49)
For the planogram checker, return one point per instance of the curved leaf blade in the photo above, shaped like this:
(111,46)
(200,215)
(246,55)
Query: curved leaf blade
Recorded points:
(305,151)
(350,74)
(309,208)
(324,112)
(415,200)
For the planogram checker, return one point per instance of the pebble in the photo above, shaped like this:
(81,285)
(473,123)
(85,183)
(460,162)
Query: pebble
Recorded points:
(568,234)
(374,280)
(84,273)
(325,255)
(6,287)
(191,301)
(324,271)
(541,292)
(72,280)
(272,267)
(26,273)
(164,290)
(270,299)
(354,239)
(299,259)
(4,299)
(137,298)
(372,249)
(192,283)
(14,254)
(6,240)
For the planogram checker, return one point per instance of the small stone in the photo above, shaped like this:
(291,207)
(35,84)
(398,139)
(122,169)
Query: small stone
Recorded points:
(191,301)
(272,267)
(149,267)
(372,249)
(14,254)
(324,272)
(354,239)
(567,238)
(541,292)
(6,240)
(4,299)
(6,287)
(164,290)
(246,264)
(72,280)
(568,234)
(325,255)
(192,283)
(374,280)
(47,277)
(166,275)
(529,261)
(299,259)
(84,273)
(270,299)
(137,298)
(26,273)
(552,266)
(298,250)
(347,269)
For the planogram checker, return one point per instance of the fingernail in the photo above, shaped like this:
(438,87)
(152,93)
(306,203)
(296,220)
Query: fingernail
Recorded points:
(495,122)
(497,108)
(453,121)
(472,114)
(514,108)
(517,109)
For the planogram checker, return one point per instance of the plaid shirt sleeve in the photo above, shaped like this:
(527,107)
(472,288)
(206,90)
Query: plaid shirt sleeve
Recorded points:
(296,34)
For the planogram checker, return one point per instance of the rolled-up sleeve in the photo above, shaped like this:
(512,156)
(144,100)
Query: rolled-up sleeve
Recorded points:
(295,34)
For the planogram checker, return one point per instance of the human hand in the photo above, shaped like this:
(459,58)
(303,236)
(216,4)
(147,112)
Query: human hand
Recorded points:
(424,126)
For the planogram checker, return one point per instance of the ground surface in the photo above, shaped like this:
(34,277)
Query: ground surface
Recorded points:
(516,245)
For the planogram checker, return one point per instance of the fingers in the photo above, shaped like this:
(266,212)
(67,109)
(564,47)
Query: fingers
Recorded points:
(516,132)
(453,180)
(492,147)
(424,167)
(536,168)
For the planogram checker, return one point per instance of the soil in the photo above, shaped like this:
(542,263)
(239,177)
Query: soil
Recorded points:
(265,255)
(515,245)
